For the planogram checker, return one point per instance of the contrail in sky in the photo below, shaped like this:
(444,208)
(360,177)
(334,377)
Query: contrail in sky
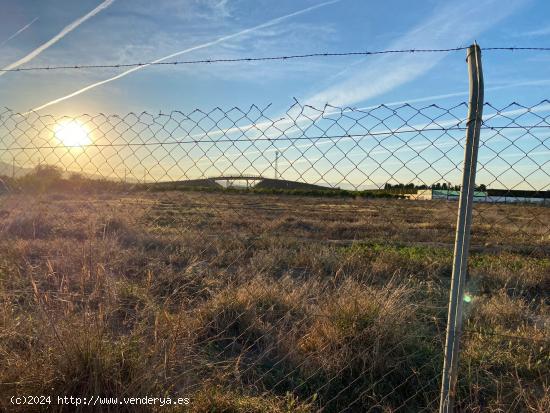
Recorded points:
(382,74)
(191,49)
(25,27)
(66,30)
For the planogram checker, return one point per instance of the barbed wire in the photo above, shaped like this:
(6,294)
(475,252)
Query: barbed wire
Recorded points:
(263,58)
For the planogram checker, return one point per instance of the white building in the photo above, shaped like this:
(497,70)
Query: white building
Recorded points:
(444,194)
(479,196)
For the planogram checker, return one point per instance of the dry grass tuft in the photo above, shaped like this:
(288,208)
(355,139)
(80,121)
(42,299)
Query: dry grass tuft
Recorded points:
(29,225)
(217,401)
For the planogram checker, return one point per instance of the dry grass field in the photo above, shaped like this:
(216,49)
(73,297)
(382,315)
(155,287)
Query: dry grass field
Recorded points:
(265,303)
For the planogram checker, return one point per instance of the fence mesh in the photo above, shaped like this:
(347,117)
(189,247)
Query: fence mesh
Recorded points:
(298,261)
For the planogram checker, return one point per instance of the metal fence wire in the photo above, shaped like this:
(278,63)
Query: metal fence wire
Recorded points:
(287,261)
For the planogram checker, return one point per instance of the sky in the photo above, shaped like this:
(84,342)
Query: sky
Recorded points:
(63,32)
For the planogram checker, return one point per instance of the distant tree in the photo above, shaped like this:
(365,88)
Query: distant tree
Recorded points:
(42,177)
(482,188)
(48,172)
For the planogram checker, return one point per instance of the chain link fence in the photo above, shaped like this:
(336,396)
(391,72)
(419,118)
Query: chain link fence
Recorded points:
(265,262)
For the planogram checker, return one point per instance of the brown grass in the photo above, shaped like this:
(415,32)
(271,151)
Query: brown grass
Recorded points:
(265,303)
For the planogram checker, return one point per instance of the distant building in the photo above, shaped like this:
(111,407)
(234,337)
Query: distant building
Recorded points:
(506,197)
(443,194)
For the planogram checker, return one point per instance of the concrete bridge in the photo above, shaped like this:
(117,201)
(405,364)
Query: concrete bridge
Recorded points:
(252,181)
(231,179)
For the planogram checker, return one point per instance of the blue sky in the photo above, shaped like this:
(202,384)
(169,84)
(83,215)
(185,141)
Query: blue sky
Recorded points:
(134,31)
(62,32)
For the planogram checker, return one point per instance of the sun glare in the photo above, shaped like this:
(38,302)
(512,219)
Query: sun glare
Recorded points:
(72,133)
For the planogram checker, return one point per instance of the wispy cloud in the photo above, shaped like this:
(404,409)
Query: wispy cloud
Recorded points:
(66,30)
(452,24)
(292,125)
(507,85)
(188,50)
(22,29)
(543,31)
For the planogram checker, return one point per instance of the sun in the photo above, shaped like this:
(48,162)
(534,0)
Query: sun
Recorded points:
(72,133)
